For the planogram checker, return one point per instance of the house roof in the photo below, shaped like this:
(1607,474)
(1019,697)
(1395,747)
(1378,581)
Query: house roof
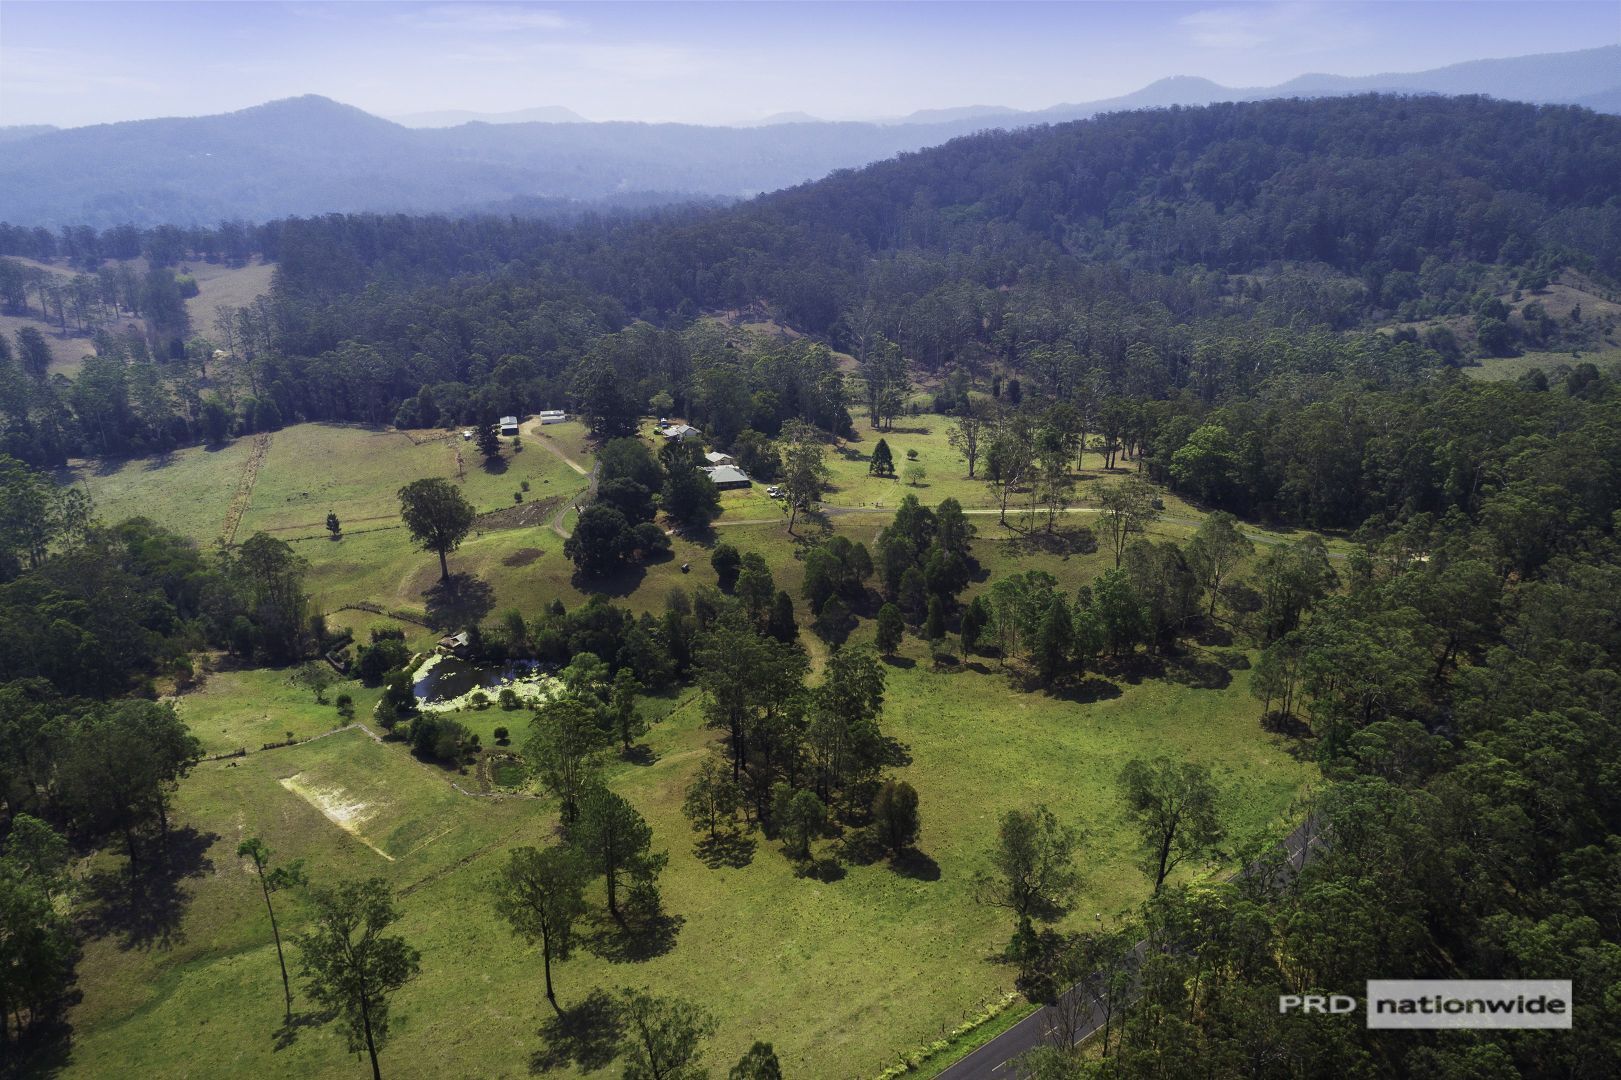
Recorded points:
(679,431)
(715,457)
(508,421)
(728,474)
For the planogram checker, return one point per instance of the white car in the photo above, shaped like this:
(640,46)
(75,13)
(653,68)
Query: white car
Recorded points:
(773,492)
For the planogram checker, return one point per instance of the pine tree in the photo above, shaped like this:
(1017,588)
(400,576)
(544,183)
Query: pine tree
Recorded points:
(489,444)
(894,816)
(781,625)
(1055,642)
(882,462)
(890,628)
(541,894)
(934,626)
(974,621)
(615,841)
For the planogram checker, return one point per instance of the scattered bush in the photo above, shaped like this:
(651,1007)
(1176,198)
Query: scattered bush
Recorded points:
(440,738)
(385,654)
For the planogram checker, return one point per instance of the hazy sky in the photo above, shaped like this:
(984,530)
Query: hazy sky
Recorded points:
(79,63)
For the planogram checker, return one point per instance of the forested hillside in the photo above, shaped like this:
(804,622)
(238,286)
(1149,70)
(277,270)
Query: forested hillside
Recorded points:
(311,155)
(1246,308)
(1147,267)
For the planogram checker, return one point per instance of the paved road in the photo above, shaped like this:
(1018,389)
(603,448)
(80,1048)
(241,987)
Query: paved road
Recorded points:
(994,1060)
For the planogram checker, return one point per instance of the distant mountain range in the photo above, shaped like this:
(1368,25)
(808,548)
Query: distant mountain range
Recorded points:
(13,132)
(544,114)
(311,155)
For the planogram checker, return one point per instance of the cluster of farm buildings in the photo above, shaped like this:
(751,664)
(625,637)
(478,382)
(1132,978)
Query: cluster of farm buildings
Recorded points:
(723,471)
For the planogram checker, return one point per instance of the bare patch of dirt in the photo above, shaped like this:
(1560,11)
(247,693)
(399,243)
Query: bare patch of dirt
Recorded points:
(521,516)
(522,557)
(338,807)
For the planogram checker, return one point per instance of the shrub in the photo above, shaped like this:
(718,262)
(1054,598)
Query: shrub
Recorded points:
(509,701)
(479,699)
(440,738)
(385,654)
(502,735)
(727,562)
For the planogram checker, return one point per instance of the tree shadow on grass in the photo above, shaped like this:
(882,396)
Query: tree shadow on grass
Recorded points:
(1136,667)
(621,583)
(1198,672)
(640,754)
(905,663)
(813,517)
(494,466)
(585,1036)
(1278,722)
(634,942)
(45,1049)
(859,847)
(731,848)
(1087,691)
(287,1034)
(145,912)
(913,863)
(460,601)
(825,869)
(701,533)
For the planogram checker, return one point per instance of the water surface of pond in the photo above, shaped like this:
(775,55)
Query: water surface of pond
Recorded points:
(443,678)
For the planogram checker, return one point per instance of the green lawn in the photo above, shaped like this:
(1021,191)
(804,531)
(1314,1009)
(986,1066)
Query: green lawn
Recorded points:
(842,975)
(233,709)
(188,491)
(311,469)
(357,472)
(946,471)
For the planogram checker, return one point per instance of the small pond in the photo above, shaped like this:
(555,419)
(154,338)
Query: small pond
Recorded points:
(445,678)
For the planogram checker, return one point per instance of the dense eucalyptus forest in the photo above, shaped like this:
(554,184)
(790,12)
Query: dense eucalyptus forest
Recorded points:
(1267,307)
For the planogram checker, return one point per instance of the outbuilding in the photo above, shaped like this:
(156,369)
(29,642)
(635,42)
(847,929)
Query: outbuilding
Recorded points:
(681,432)
(509,425)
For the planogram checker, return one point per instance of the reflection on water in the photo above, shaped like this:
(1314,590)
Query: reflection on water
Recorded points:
(445,677)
